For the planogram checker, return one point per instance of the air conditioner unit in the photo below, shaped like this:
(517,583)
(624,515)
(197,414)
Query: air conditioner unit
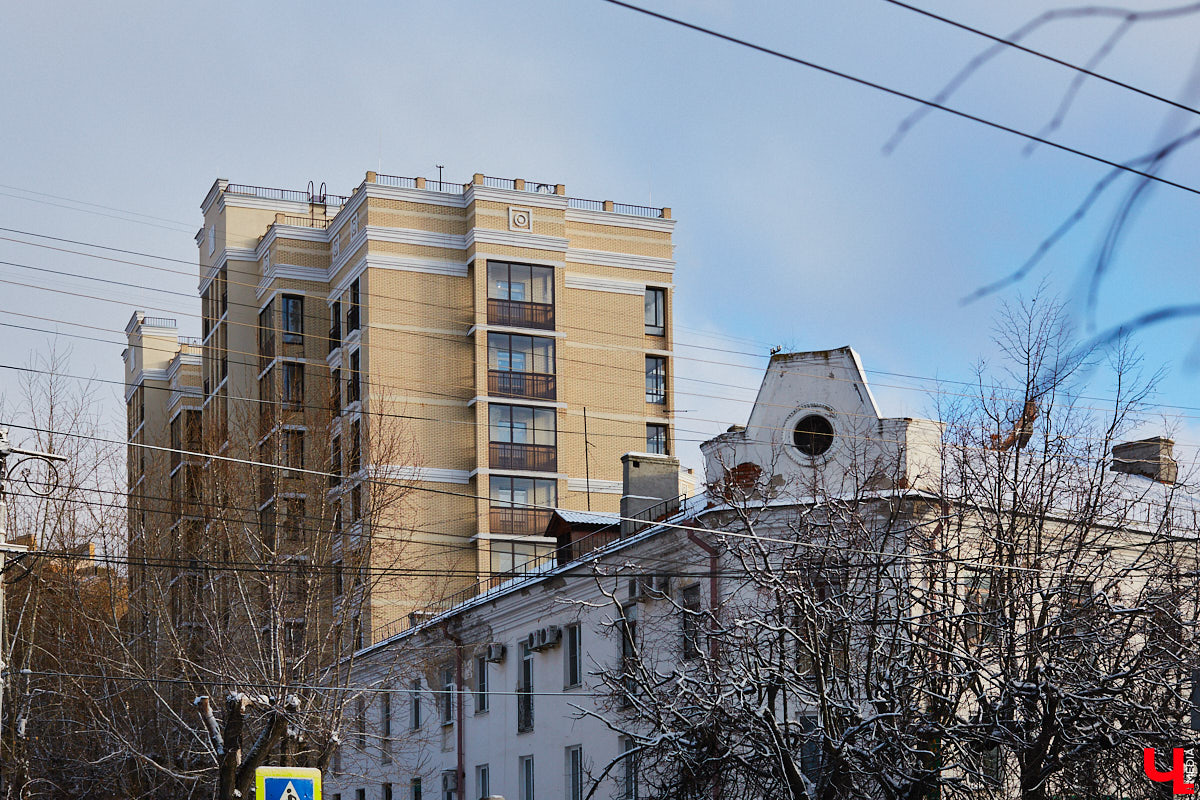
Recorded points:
(545,638)
(495,653)
(449,781)
(531,641)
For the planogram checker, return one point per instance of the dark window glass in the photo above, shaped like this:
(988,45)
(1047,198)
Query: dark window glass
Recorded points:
(522,425)
(656,311)
(520,283)
(293,318)
(656,440)
(293,385)
(813,435)
(656,379)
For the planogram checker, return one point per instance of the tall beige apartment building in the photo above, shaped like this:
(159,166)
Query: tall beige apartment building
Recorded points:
(477,353)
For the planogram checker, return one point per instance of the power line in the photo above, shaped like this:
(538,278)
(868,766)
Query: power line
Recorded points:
(903,95)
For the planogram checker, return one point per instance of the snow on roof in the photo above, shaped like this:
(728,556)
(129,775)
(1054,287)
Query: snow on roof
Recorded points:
(587,517)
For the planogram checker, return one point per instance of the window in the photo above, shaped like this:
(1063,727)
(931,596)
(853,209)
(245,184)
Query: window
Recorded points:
(360,723)
(481,685)
(575,773)
(353,385)
(293,518)
(520,295)
(361,794)
(212,239)
(574,656)
(822,630)
(520,283)
(656,311)
(526,778)
(352,312)
(525,690)
(414,713)
(628,627)
(335,325)
(690,604)
(810,747)
(335,461)
(521,506)
(339,585)
(355,461)
(629,770)
(522,425)
(483,786)
(449,784)
(356,503)
(266,335)
(337,760)
(293,450)
(415,789)
(513,353)
(446,700)
(385,730)
(293,385)
(293,318)
(385,792)
(656,440)
(522,438)
(656,379)
(813,435)
(335,391)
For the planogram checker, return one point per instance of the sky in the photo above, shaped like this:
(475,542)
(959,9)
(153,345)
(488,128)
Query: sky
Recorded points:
(795,227)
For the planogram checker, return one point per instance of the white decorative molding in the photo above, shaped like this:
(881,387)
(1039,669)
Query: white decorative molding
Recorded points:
(519,401)
(227,255)
(541,262)
(539,332)
(449,241)
(432,266)
(397,472)
(491,194)
(534,241)
(608,258)
(597,486)
(517,473)
(619,220)
(574,280)
(520,219)
(294,207)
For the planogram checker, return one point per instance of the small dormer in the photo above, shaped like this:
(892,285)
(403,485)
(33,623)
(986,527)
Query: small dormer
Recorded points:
(816,428)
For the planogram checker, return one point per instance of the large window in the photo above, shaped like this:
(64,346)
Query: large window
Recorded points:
(629,770)
(483,784)
(481,685)
(656,379)
(293,318)
(414,709)
(656,440)
(522,506)
(353,309)
(574,657)
(691,608)
(446,701)
(522,438)
(520,295)
(656,311)
(575,773)
(335,325)
(266,335)
(521,366)
(525,690)
(293,385)
(353,378)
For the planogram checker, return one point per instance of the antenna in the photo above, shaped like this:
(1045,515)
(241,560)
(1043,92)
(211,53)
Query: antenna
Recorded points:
(440,167)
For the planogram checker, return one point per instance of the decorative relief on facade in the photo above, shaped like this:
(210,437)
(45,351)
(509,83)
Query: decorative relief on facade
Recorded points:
(520,219)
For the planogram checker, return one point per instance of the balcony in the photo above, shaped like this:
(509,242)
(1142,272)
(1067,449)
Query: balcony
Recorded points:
(520,314)
(510,455)
(527,385)
(519,521)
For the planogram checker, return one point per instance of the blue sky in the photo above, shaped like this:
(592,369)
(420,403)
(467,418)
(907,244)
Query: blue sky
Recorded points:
(795,228)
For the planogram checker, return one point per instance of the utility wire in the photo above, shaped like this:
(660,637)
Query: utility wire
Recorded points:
(904,95)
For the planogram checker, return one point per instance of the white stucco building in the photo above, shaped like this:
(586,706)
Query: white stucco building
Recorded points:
(504,692)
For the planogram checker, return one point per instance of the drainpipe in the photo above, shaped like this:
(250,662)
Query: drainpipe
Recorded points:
(458,710)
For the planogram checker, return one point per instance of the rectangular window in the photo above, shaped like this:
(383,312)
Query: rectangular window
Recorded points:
(521,506)
(481,685)
(446,701)
(628,627)
(360,794)
(656,311)
(414,713)
(335,461)
(656,440)
(690,624)
(335,325)
(522,438)
(335,391)
(629,770)
(520,295)
(574,656)
(293,385)
(575,773)
(525,690)
(293,518)
(526,778)
(810,747)
(656,379)
(353,378)
(483,784)
(266,335)
(385,728)
(385,792)
(514,353)
(339,585)
(356,503)
(293,318)
(360,723)
(355,461)
(415,789)
(352,311)
(293,450)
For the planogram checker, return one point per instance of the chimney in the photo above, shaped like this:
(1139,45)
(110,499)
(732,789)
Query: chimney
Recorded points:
(649,489)
(1149,457)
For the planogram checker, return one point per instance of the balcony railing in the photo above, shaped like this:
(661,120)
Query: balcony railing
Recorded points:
(519,314)
(528,385)
(519,521)
(335,337)
(511,455)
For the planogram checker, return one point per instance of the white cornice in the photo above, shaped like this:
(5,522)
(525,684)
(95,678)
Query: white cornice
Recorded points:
(517,473)
(619,220)
(535,241)
(541,262)
(608,258)
(423,196)
(290,272)
(448,241)
(229,199)
(516,331)
(596,486)
(513,196)
(217,187)
(514,401)
(575,280)
(398,472)
(433,266)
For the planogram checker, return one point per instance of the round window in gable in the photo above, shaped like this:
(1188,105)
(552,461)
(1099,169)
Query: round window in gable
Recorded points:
(813,435)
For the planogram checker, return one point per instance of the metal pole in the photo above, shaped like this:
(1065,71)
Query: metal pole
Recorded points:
(51,483)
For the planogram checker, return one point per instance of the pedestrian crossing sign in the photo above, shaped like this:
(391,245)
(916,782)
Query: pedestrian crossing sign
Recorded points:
(287,783)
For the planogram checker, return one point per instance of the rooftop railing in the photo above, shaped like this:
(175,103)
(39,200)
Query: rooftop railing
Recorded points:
(302,222)
(309,195)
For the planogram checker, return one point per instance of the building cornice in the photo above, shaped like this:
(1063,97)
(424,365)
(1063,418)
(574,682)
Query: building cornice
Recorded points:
(608,258)
(619,220)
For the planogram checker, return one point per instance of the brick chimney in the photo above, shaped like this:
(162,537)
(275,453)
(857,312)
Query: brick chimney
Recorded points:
(1149,457)
(650,488)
